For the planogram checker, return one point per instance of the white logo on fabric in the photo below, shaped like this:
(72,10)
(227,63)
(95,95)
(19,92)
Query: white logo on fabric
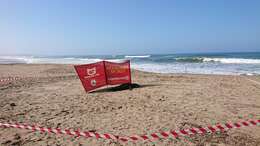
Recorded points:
(91,71)
(93,82)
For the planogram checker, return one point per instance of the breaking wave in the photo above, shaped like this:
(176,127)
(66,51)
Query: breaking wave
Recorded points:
(189,59)
(51,60)
(233,60)
(219,60)
(233,65)
(139,56)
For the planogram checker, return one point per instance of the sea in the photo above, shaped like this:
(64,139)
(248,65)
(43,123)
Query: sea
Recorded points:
(202,63)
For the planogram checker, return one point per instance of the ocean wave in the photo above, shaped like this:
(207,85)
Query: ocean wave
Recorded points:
(197,68)
(219,60)
(17,59)
(138,56)
(189,59)
(91,60)
(232,60)
(161,64)
(51,60)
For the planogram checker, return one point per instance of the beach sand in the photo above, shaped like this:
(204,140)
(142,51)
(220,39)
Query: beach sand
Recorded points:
(52,96)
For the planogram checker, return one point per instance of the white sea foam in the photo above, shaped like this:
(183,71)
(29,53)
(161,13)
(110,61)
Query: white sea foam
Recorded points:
(138,56)
(227,66)
(232,60)
(45,60)
(198,68)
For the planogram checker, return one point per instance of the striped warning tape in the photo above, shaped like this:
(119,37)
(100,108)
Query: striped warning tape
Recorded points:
(153,136)
(9,79)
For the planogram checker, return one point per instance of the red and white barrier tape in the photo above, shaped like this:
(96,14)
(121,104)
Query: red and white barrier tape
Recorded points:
(9,79)
(153,136)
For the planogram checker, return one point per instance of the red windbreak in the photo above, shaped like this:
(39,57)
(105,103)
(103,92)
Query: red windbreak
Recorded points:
(103,73)
(92,75)
(118,73)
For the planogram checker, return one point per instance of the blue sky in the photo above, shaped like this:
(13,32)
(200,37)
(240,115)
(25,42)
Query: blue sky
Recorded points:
(62,27)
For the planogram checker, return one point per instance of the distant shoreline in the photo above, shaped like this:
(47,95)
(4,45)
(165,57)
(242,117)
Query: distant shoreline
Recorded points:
(51,64)
(220,64)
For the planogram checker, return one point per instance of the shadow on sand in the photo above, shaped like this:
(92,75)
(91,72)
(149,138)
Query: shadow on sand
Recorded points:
(123,87)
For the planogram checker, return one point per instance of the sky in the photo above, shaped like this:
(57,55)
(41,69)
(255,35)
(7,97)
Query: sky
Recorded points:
(63,27)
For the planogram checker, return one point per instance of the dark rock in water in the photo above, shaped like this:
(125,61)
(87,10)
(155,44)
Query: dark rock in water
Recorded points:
(12,104)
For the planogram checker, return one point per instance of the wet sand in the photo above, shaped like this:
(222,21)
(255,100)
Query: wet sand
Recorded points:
(52,95)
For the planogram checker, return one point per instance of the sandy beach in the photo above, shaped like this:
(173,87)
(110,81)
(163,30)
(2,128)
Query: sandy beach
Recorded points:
(52,96)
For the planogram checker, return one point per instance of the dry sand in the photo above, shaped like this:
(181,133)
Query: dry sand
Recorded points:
(52,95)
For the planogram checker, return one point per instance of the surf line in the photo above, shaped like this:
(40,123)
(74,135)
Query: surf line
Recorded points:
(134,138)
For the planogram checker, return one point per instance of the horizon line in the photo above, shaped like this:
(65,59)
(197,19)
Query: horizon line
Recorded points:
(183,53)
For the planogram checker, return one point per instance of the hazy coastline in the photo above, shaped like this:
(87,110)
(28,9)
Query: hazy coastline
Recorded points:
(211,63)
